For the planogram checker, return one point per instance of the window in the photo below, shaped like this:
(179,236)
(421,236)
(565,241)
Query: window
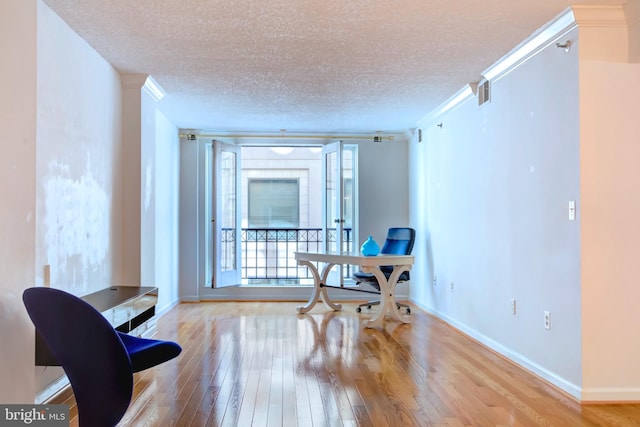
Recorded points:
(274,203)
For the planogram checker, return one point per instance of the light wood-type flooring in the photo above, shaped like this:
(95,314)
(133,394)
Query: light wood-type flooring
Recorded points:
(262,364)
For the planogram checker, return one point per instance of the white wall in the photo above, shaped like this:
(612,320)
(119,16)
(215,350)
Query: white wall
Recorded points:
(134,129)
(147,198)
(499,178)
(383,188)
(560,127)
(609,150)
(18,23)
(610,230)
(152,143)
(166,211)
(422,270)
(189,251)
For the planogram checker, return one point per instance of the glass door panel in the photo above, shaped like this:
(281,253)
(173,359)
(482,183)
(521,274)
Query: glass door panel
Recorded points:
(226,221)
(339,201)
(349,197)
(332,211)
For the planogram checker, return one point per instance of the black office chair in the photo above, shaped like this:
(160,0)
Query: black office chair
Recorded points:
(399,242)
(98,360)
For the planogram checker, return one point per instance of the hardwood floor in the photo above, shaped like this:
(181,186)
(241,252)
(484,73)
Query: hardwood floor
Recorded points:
(261,364)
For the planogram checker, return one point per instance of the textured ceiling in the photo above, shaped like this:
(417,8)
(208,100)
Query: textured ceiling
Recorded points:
(306,65)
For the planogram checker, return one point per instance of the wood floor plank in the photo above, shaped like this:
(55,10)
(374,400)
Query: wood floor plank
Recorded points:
(261,364)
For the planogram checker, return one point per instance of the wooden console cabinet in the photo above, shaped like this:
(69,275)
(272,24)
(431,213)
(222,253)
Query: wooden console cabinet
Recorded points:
(129,309)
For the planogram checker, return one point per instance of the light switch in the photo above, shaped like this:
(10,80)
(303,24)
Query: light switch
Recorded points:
(572,210)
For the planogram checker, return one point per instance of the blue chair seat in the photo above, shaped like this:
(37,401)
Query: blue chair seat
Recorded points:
(145,353)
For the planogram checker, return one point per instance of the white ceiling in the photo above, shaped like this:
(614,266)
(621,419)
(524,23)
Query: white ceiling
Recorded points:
(306,65)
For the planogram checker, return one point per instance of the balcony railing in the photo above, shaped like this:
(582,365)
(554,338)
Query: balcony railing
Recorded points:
(268,253)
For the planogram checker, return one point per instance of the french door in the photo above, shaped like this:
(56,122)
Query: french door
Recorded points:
(226,220)
(337,197)
(339,202)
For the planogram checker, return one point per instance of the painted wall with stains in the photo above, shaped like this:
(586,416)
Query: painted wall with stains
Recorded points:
(78,160)
(78,166)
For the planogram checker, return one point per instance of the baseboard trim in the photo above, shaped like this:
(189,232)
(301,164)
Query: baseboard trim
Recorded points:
(562,384)
(610,395)
(282,293)
(51,390)
(166,309)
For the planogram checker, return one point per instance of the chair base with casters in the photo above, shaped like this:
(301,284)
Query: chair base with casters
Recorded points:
(361,277)
(98,360)
(371,303)
(399,241)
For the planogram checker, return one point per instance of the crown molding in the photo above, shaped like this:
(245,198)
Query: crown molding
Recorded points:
(556,28)
(460,97)
(153,89)
(537,41)
(594,16)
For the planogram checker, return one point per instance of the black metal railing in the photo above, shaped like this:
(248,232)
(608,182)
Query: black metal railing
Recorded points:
(268,253)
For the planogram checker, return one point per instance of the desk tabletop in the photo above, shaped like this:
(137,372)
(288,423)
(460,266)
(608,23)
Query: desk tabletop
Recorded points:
(355,258)
(114,296)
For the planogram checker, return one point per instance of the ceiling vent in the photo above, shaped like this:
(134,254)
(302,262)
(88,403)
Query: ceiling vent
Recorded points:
(484,92)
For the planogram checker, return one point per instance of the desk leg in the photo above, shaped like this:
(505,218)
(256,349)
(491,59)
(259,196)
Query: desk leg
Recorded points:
(387,295)
(319,291)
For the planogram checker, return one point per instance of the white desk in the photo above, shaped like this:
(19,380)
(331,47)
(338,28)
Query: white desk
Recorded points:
(368,264)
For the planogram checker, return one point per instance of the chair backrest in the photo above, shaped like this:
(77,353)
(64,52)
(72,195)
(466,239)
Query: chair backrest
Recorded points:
(89,350)
(399,241)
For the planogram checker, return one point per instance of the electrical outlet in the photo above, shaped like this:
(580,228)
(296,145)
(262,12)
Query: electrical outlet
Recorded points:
(46,277)
(451,286)
(547,320)
(513,306)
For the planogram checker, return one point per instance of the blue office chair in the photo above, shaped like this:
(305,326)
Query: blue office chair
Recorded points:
(399,241)
(98,360)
